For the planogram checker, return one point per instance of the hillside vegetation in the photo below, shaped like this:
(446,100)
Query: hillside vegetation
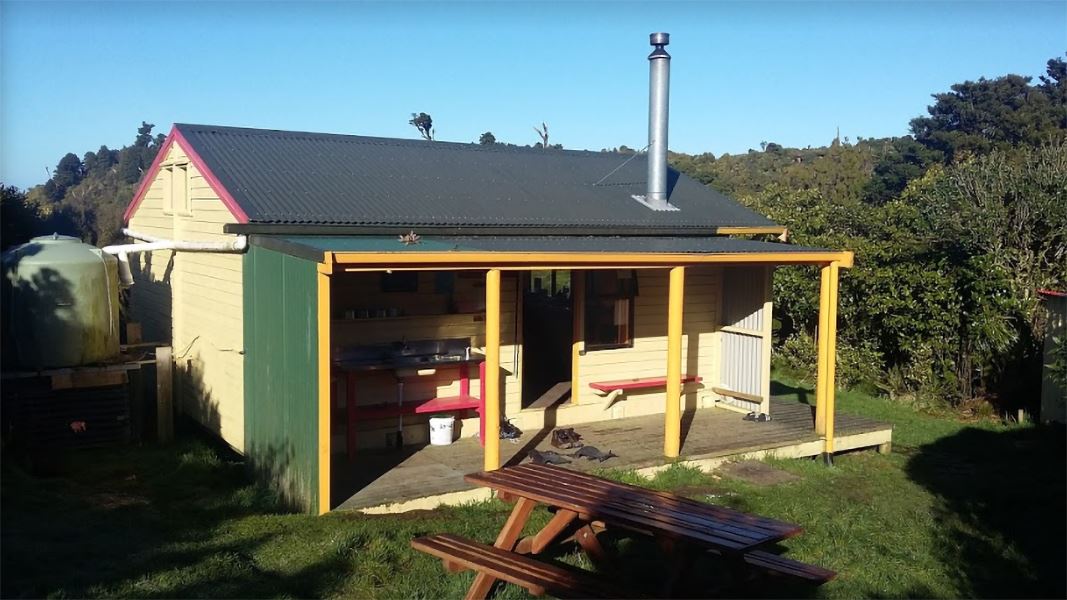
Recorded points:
(955,228)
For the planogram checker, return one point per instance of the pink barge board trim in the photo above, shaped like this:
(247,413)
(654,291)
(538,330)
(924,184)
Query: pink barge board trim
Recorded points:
(173,137)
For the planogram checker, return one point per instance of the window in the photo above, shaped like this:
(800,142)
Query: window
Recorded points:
(168,190)
(176,190)
(609,309)
(180,181)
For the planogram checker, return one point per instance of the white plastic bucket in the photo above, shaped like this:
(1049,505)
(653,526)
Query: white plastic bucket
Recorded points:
(441,430)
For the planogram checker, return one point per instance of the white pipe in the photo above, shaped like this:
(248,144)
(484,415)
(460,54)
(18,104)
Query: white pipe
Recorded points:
(122,251)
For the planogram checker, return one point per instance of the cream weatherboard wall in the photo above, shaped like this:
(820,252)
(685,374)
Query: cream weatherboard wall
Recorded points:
(361,291)
(193,300)
(648,356)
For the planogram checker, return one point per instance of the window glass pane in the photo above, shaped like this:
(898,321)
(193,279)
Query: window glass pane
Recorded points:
(609,309)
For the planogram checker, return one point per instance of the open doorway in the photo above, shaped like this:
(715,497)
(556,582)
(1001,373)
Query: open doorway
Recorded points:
(547,329)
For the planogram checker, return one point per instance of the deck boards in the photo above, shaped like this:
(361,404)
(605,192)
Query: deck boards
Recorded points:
(380,477)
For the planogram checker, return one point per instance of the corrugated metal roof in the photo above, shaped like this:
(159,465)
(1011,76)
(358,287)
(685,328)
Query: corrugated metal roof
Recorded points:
(289,177)
(313,247)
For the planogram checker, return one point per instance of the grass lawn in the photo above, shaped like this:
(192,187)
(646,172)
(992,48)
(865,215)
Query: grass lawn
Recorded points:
(958,509)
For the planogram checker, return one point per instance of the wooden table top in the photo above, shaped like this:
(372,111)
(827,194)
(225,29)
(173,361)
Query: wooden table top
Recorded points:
(660,514)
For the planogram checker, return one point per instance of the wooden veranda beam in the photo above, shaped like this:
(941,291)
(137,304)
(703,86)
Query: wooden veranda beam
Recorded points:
(672,430)
(492,370)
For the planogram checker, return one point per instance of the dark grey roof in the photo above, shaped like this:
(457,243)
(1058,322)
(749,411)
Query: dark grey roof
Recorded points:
(313,246)
(288,177)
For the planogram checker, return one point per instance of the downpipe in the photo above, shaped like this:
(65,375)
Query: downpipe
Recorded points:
(153,243)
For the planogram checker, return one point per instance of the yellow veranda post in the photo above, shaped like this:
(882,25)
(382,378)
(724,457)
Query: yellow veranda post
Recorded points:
(672,438)
(820,381)
(578,337)
(325,405)
(492,370)
(831,357)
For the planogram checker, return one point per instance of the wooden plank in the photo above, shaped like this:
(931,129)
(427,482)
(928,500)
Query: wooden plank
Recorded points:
(164,395)
(673,500)
(788,566)
(133,333)
(552,397)
(505,540)
(536,543)
(534,575)
(75,379)
(632,513)
(739,395)
(639,383)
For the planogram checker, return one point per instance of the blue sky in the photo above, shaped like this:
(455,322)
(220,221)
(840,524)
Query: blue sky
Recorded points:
(77,75)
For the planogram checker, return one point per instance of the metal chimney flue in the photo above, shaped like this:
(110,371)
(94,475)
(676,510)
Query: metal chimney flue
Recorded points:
(659,84)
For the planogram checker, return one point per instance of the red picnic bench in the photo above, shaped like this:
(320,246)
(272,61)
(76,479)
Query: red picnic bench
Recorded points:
(614,389)
(639,383)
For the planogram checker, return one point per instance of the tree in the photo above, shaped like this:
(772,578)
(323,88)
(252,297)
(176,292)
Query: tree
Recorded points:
(543,134)
(487,138)
(977,116)
(19,220)
(144,135)
(902,161)
(424,123)
(1054,84)
(69,172)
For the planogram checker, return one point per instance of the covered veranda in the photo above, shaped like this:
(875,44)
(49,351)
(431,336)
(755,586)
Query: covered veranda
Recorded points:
(494,256)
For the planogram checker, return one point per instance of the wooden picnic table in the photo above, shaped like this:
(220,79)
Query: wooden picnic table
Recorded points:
(585,504)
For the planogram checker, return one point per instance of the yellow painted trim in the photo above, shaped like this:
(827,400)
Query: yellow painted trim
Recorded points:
(672,430)
(820,336)
(492,370)
(324,392)
(775,230)
(549,260)
(765,354)
(831,357)
(578,330)
(326,266)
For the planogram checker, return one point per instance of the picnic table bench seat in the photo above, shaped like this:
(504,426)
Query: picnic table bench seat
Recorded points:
(780,565)
(536,576)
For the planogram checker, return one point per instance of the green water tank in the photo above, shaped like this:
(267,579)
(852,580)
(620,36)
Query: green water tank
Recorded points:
(60,304)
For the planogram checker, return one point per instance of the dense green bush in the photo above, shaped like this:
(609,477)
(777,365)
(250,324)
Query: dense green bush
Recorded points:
(953,232)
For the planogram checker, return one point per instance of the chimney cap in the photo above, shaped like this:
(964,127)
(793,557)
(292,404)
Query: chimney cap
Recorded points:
(659,39)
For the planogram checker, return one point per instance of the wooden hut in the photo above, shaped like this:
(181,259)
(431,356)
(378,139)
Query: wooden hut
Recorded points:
(388,280)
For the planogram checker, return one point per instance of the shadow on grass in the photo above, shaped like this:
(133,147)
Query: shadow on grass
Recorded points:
(785,391)
(1001,495)
(82,523)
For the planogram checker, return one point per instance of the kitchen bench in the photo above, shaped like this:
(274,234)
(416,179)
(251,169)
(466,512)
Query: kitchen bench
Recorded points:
(463,401)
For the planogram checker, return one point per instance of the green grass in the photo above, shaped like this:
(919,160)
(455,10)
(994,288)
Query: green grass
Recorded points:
(958,509)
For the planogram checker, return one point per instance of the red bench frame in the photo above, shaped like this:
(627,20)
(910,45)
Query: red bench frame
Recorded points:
(463,401)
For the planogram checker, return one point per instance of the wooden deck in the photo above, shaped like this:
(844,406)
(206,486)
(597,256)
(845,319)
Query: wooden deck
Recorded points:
(424,476)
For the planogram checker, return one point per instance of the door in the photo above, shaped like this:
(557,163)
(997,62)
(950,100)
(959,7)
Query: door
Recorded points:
(546,337)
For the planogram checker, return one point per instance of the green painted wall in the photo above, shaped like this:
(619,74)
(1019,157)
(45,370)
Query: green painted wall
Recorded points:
(281,376)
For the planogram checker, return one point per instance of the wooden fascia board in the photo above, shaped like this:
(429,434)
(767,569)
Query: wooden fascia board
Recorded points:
(175,137)
(771,229)
(522,260)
